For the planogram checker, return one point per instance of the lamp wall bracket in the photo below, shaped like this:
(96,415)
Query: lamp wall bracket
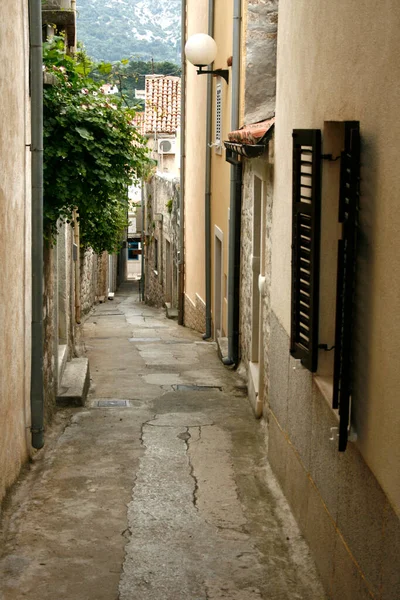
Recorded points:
(224,73)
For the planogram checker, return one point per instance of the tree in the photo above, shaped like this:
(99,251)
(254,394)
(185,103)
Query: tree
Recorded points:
(92,152)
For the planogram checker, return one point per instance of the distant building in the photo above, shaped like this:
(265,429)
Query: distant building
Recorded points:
(108,89)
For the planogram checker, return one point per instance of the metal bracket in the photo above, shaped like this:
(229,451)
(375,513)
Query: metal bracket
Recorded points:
(224,73)
(329,157)
(334,434)
(325,347)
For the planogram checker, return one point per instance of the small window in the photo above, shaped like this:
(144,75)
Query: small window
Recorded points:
(134,250)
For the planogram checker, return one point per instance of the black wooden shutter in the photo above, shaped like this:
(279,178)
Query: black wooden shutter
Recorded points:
(348,216)
(306,225)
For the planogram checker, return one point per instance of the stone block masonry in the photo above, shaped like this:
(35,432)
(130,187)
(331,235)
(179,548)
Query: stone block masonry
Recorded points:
(195,314)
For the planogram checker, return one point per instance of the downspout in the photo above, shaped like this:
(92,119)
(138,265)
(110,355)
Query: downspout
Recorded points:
(181,262)
(77,269)
(208,332)
(36,59)
(142,278)
(235,204)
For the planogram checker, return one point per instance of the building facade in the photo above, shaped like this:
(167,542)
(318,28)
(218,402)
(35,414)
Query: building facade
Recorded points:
(15,240)
(333,374)
(318,283)
(161,194)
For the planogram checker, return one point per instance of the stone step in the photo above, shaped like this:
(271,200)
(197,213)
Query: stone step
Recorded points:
(172,313)
(75,383)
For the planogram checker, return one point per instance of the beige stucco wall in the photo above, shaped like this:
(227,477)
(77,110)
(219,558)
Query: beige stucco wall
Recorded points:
(220,169)
(15,301)
(341,63)
(195,132)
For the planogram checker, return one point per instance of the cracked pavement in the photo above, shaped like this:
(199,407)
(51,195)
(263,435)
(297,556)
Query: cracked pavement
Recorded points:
(168,498)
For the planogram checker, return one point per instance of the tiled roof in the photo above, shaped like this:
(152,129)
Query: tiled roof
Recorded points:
(163,104)
(138,122)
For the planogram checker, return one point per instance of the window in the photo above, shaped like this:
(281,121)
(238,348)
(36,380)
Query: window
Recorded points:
(134,249)
(347,247)
(324,244)
(306,206)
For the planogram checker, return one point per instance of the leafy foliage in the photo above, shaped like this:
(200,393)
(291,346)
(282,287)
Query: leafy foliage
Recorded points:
(92,152)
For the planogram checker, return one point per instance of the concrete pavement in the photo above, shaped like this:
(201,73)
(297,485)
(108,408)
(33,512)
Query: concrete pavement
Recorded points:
(157,489)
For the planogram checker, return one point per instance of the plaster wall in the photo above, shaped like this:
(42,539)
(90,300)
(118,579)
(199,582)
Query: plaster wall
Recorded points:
(195,135)
(329,70)
(220,169)
(15,272)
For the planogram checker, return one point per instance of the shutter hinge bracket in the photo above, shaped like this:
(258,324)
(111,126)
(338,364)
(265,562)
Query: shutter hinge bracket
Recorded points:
(325,347)
(329,157)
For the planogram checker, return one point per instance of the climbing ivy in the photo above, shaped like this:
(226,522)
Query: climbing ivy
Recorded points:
(92,152)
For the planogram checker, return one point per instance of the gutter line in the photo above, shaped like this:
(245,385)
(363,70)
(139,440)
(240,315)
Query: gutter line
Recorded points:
(37,388)
(181,263)
(235,204)
(207,199)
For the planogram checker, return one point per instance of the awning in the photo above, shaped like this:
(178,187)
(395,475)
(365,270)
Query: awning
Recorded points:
(252,140)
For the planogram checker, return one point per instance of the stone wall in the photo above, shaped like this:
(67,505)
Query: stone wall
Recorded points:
(261,41)
(195,314)
(50,334)
(162,200)
(262,168)
(94,279)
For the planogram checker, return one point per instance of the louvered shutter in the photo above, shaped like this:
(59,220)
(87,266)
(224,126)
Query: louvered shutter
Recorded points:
(306,225)
(348,216)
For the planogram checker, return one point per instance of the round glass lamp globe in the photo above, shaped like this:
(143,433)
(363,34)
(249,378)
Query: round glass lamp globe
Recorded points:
(201,49)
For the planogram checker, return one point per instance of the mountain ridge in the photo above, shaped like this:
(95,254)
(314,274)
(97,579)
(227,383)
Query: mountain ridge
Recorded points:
(141,29)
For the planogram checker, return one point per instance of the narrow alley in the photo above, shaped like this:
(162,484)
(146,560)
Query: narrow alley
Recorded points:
(158,488)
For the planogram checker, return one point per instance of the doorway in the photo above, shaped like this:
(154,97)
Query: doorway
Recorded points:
(218,272)
(168,272)
(256,363)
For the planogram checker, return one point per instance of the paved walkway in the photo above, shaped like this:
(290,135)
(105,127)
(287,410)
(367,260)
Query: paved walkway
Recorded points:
(158,489)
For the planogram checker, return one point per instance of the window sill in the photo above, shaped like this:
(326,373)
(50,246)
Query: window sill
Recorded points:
(325,386)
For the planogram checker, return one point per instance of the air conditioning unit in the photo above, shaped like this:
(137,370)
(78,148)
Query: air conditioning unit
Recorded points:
(167,146)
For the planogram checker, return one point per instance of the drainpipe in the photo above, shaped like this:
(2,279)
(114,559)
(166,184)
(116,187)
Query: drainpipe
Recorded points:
(235,205)
(181,262)
(37,391)
(142,278)
(77,269)
(208,332)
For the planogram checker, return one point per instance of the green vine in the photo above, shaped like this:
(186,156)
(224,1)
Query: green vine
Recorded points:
(92,153)
(169,205)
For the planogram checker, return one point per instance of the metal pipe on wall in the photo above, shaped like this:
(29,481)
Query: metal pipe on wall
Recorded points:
(77,272)
(208,332)
(235,203)
(181,262)
(37,390)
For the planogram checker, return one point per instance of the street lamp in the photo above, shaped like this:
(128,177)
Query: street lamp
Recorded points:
(201,50)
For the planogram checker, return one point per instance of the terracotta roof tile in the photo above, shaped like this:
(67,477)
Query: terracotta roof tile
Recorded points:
(138,122)
(251,134)
(163,104)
